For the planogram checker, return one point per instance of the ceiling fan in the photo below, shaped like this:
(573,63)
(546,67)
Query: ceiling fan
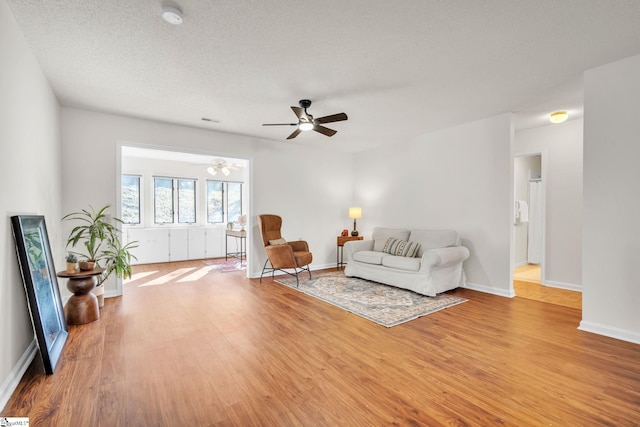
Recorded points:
(221,165)
(307,122)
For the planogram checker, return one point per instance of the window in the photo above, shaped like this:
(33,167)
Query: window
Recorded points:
(169,192)
(234,201)
(224,201)
(175,200)
(186,201)
(215,212)
(130,199)
(162,200)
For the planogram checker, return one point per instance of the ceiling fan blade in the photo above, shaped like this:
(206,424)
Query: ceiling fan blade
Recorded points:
(294,134)
(299,112)
(279,124)
(325,131)
(332,118)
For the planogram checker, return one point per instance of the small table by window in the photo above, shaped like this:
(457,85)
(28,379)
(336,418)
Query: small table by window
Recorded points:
(241,244)
(340,248)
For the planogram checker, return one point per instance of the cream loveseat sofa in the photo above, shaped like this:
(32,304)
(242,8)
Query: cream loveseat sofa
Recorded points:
(394,258)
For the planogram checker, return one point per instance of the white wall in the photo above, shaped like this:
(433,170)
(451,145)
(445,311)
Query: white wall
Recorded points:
(562,147)
(458,178)
(611,292)
(310,188)
(30,173)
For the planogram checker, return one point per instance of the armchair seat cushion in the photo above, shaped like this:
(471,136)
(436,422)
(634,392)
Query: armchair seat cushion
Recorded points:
(401,262)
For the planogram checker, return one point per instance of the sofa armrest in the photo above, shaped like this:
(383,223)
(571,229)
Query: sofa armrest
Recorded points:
(443,257)
(353,246)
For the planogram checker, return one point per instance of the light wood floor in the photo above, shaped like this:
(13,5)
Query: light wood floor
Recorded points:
(192,347)
(527,284)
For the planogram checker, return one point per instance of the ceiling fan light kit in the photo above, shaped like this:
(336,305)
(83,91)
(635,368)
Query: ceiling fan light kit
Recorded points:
(306,121)
(221,165)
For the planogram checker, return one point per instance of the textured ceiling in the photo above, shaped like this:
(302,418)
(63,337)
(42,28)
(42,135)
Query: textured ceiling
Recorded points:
(398,69)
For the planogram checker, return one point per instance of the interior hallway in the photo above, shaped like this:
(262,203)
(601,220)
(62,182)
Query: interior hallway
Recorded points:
(527,284)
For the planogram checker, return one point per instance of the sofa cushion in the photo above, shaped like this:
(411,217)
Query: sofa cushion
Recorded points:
(434,239)
(278,242)
(369,257)
(380,236)
(401,263)
(401,247)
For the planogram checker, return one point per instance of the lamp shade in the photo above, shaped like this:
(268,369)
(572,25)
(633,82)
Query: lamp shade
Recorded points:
(355,213)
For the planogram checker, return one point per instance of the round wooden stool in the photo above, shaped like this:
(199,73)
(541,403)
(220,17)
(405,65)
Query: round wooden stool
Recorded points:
(82,307)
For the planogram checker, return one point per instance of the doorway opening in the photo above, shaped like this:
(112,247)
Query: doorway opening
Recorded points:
(528,221)
(182,205)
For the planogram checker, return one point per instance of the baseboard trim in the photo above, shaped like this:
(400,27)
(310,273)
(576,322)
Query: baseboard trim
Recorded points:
(561,285)
(489,290)
(12,381)
(112,293)
(609,331)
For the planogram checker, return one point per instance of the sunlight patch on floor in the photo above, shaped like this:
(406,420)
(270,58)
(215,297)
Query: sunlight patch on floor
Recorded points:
(197,274)
(167,277)
(139,276)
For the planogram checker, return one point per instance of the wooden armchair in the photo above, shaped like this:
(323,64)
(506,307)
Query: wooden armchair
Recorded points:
(281,254)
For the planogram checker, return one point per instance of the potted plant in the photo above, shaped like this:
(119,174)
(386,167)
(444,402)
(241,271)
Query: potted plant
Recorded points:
(72,263)
(98,233)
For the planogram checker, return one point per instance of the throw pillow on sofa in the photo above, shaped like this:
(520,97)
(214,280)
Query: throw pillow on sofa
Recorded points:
(399,247)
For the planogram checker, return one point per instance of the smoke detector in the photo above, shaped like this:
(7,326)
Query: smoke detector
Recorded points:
(172,15)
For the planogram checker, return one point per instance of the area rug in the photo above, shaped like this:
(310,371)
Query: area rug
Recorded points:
(226,266)
(386,305)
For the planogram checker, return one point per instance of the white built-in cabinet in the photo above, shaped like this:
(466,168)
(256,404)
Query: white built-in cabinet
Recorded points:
(175,244)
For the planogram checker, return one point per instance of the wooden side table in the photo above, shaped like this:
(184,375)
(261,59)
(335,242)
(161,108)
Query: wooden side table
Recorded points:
(83,306)
(340,248)
(240,235)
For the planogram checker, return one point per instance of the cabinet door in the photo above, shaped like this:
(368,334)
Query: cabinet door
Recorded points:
(215,243)
(178,244)
(153,245)
(197,243)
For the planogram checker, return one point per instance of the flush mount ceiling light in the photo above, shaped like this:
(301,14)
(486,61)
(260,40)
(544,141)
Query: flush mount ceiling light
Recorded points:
(558,117)
(172,15)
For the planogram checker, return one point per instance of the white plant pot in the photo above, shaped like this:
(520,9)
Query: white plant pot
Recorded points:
(99,292)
